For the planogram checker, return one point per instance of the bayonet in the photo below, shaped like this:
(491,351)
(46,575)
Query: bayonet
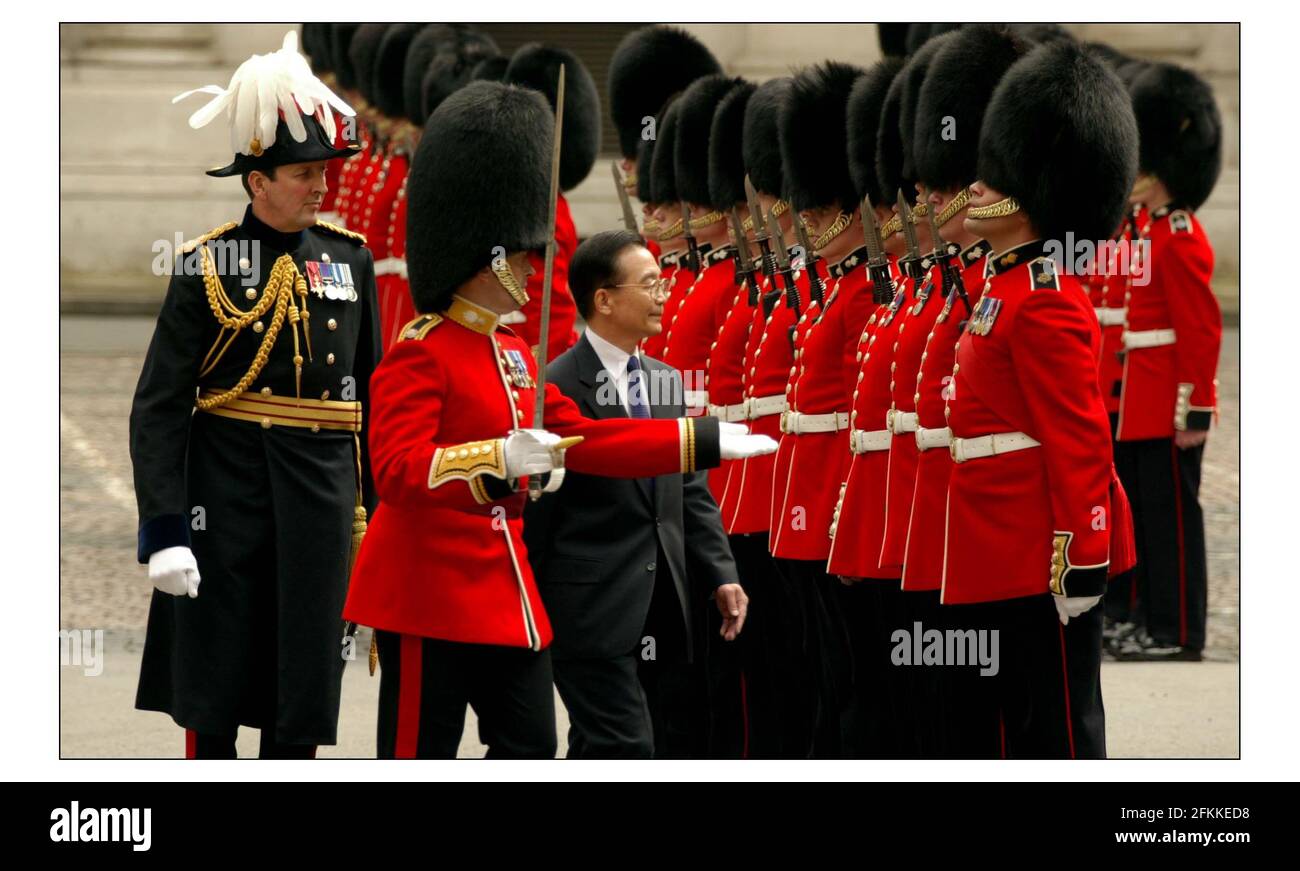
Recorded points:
(692,247)
(882,283)
(539,408)
(783,264)
(911,263)
(946,257)
(745,268)
(629,217)
(816,288)
(761,235)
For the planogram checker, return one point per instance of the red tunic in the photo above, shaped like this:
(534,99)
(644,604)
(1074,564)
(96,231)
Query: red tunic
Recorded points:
(859,532)
(786,347)
(823,384)
(396,308)
(735,317)
(444,556)
(352,180)
(1026,363)
(1172,386)
(527,322)
(679,281)
(375,222)
(923,555)
(694,325)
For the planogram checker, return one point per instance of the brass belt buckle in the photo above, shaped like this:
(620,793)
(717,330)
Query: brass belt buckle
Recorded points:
(954,450)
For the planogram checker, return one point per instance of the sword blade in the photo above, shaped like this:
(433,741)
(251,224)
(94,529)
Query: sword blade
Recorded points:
(629,217)
(539,408)
(909,229)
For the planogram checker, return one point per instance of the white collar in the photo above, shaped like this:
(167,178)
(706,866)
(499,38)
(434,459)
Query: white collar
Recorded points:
(612,357)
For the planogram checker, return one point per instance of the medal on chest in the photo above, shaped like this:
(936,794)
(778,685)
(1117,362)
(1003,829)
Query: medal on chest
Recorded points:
(331,280)
(893,309)
(986,312)
(517,368)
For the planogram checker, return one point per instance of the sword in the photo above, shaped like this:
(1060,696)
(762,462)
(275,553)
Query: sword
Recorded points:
(912,262)
(946,258)
(816,288)
(629,217)
(760,231)
(882,283)
(539,409)
(783,266)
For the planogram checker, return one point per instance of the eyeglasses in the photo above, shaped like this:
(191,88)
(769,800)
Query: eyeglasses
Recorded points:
(658,287)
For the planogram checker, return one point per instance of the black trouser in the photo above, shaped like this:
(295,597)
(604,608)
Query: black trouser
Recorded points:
(925,687)
(751,681)
(827,656)
(1044,702)
(1163,484)
(609,711)
(427,682)
(879,722)
(204,745)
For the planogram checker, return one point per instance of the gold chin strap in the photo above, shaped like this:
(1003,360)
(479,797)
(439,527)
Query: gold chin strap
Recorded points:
(650,228)
(1000,209)
(842,223)
(672,231)
(501,270)
(890,227)
(1143,182)
(955,205)
(779,208)
(922,210)
(707,220)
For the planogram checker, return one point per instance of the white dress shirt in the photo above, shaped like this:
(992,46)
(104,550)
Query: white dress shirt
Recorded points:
(614,360)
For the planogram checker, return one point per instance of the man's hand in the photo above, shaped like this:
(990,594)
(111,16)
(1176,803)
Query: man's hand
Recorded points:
(733,604)
(1190,438)
(535,452)
(1073,606)
(174,570)
(735,442)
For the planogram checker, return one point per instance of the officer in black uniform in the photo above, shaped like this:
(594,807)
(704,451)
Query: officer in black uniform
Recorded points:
(249,475)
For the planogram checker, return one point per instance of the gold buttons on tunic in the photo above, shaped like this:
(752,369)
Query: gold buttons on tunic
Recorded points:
(266,423)
(325,258)
(251,293)
(315,427)
(258,327)
(332,324)
(266,391)
(325,394)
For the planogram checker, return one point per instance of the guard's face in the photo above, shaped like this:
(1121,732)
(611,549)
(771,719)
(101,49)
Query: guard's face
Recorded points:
(992,229)
(293,198)
(634,302)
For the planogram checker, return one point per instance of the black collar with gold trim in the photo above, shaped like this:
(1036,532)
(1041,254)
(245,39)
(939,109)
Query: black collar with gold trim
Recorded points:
(975,251)
(855,259)
(670,259)
(1017,256)
(726,252)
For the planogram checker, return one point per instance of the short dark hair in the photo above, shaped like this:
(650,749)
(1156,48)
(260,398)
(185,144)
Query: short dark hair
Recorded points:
(595,265)
(269,172)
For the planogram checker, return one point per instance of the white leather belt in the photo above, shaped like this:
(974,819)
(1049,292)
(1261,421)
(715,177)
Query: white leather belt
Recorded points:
(697,398)
(1111,317)
(391,266)
(762,406)
(797,423)
(861,441)
(989,446)
(899,422)
(932,438)
(729,413)
(1148,338)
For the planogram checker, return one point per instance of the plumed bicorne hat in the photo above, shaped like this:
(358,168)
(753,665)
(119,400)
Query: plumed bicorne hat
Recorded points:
(959,86)
(475,184)
(1181,131)
(441,59)
(813,113)
(866,101)
(1059,135)
(694,127)
(762,145)
(649,66)
(537,66)
(727,147)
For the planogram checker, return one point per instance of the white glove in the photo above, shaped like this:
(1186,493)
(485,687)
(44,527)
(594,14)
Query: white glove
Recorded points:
(1067,607)
(735,442)
(174,570)
(528,452)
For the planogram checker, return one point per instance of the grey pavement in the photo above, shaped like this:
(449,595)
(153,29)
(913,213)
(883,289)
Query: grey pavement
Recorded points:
(1174,710)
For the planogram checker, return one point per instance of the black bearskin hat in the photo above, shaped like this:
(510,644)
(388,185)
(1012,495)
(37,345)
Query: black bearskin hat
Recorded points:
(726,147)
(364,54)
(649,66)
(694,125)
(390,70)
(1180,130)
(914,75)
(814,113)
(762,145)
(866,101)
(490,69)
(537,66)
(663,164)
(441,60)
(340,40)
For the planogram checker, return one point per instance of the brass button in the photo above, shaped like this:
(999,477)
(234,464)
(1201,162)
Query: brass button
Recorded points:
(258,327)
(329,358)
(332,324)
(251,293)
(325,257)
(325,394)
(266,423)
(916,397)
(266,391)
(315,427)
(515,395)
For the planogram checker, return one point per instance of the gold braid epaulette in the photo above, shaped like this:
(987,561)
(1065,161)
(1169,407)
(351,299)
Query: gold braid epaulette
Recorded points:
(340,231)
(189,246)
(419,327)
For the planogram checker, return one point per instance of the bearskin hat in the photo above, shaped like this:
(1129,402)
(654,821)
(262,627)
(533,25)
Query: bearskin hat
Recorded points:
(390,65)
(441,60)
(649,66)
(726,147)
(914,75)
(694,125)
(363,51)
(1181,131)
(537,66)
(663,164)
(762,145)
(340,39)
(866,102)
(813,113)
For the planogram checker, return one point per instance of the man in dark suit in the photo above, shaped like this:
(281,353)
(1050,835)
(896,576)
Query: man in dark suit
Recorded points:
(625,567)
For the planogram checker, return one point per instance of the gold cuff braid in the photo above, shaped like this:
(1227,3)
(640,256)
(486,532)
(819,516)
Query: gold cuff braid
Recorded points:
(468,462)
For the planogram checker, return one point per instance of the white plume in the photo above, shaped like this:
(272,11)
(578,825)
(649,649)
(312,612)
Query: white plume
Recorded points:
(263,87)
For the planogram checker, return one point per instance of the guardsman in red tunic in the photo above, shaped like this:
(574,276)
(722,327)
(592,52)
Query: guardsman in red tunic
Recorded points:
(682,268)
(457,616)
(648,69)
(1035,517)
(537,66)
(1171,353)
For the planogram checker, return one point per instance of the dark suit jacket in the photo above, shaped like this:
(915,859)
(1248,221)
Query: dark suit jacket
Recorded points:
(594,544)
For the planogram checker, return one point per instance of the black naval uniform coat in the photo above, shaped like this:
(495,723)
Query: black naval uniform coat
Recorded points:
(267,510)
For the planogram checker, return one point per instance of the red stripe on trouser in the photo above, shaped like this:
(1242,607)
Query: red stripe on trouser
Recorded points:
(1065,685)
(191,741)
(408,697)
(1182,565)
(744,716)
(1002,734)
